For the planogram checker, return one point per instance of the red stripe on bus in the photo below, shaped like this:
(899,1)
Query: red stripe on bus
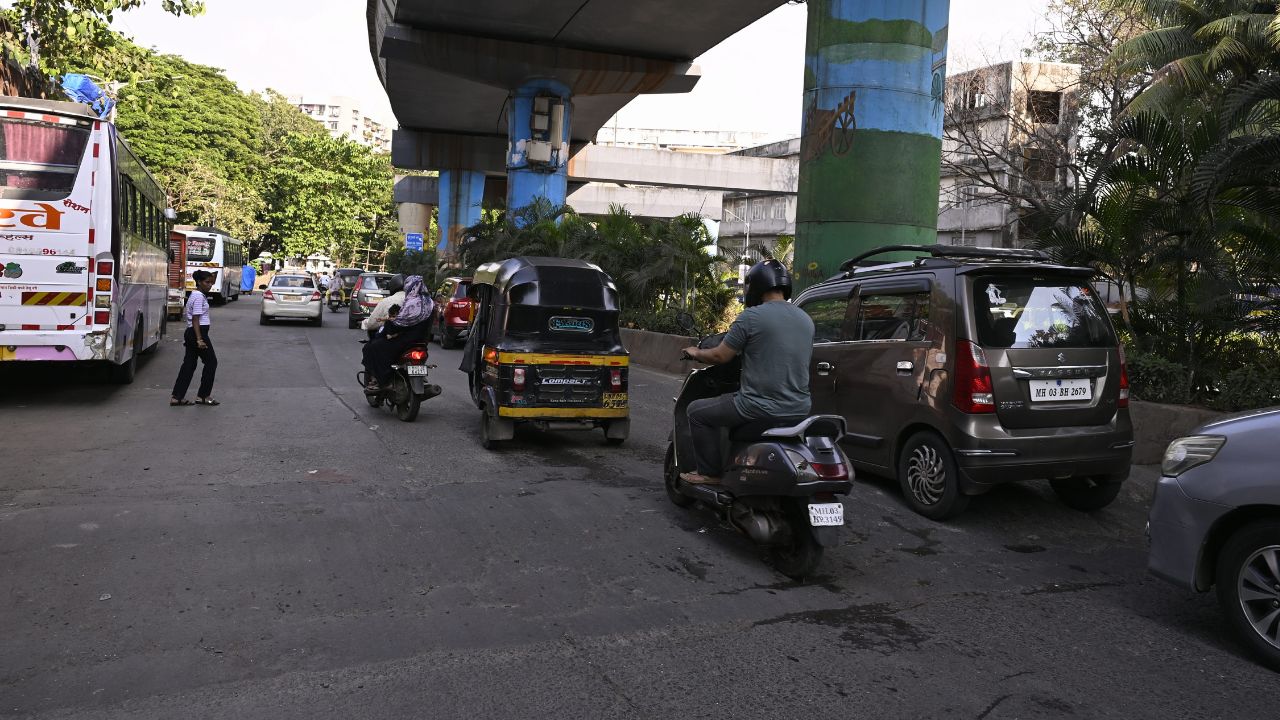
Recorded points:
(30,327)
(16,114)
(90,236)
(95,149)
(97,125)
(66,327)
(52,118)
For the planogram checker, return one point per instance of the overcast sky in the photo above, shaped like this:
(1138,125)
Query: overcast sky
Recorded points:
(751,81)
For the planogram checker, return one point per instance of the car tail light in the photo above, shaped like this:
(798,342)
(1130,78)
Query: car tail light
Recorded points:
(615,380)
(972,391)
(315,295)
(1123,400)
(830,471)
(266,295)
(517,378)
(416,355)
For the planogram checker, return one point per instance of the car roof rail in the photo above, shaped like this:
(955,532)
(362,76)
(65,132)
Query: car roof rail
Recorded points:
(949,252)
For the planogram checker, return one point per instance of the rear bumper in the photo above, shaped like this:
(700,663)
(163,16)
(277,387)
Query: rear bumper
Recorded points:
(1177,527)
(995,455)
(31,345)
(562,413)
(282,310)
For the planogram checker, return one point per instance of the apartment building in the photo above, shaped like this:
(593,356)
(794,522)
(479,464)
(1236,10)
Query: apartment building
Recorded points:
(342,117)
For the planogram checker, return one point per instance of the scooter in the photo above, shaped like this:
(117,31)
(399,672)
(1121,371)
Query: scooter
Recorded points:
(784,476)
(337,297)
(409,386)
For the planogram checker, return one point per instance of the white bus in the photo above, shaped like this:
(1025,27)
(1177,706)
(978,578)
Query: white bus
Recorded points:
(83,240)
(213,250)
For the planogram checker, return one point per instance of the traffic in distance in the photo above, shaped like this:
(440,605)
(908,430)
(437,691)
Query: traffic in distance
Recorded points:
(952,372)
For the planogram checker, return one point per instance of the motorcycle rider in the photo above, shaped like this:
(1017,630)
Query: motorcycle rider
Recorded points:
(407,327)
(775,339)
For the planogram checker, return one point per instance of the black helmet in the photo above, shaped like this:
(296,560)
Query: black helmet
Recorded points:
(764,276)
(395,284)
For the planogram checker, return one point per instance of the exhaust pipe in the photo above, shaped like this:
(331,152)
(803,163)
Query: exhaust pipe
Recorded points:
(764,528)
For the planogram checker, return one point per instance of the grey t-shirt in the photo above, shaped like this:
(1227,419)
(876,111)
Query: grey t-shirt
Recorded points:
(775,340)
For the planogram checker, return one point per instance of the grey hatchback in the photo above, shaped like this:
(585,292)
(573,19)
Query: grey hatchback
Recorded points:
(964,368)
(1215,520)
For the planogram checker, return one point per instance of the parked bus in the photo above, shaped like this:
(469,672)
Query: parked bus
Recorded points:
(84,234)
(213,250)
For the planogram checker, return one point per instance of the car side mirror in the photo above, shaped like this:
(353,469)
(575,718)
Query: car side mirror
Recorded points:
(262,287)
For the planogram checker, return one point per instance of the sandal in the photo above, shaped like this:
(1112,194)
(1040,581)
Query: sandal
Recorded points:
(207,401)
(178,403)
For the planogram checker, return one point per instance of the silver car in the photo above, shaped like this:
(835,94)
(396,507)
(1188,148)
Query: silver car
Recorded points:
(1215,520)
(292,296)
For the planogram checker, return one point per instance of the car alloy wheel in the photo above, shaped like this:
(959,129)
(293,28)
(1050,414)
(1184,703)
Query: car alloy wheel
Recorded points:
(926,475)
(1258,584)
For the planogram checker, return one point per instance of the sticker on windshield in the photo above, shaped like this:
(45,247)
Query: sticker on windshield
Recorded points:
(572,324)
(994,295)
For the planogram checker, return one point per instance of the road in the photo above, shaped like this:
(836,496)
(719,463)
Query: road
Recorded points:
(294,553)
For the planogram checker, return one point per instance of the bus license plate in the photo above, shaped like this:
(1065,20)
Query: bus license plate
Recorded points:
(826,514)
(615,400)
(415,370)
(1058,390)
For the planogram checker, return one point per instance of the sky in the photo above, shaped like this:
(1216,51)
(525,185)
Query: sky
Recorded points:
(750,82)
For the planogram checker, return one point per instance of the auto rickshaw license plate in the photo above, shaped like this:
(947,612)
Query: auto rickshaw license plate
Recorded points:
(615,400)
(826,514)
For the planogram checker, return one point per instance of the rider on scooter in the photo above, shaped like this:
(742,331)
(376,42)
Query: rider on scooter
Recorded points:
(775,339)
(408,327)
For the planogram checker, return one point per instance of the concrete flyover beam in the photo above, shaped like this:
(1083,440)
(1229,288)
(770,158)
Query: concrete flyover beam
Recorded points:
(429,150)
(649,202)
(664,168)
(421,189)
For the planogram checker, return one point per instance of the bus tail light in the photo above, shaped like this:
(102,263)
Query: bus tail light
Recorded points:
(102,317)
(103,285)
(106,267)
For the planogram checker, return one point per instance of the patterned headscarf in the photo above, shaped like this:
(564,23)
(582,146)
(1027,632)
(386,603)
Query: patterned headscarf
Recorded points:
(417,306)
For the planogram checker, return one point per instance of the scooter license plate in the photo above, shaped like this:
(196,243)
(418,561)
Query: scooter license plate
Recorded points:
(826,515)
(412,370)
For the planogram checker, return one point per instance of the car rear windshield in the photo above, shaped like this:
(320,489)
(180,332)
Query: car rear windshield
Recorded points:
(292,281)
(39,160)
(200,249)
(1026,313)
(461,291)
(375,282)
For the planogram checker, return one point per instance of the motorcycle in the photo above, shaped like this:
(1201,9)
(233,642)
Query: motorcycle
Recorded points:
(408,387)
(784,476)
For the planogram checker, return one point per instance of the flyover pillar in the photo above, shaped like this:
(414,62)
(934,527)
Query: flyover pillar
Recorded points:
(538,125)
(871,144)
(460,194)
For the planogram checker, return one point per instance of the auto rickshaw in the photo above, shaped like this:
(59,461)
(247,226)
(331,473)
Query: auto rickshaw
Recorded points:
(544,349)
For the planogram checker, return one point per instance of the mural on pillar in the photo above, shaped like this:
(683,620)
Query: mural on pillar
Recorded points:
(870,148)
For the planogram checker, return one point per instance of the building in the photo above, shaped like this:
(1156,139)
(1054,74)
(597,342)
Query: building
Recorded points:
(756,220)
(1009,135)
(342,117)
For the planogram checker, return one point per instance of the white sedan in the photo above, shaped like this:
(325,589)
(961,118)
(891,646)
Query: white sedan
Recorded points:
(292,296)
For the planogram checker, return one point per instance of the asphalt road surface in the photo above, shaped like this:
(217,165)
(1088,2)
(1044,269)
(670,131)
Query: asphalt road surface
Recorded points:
(295,553)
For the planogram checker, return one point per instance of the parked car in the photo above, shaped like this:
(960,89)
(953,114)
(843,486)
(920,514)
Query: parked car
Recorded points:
(963,368)
(454,311)
(365,294)
(1215,522)
(292,296)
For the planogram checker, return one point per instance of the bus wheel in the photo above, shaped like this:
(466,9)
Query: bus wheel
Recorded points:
(124,373)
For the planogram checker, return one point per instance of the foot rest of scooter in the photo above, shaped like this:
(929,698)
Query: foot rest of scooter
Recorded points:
(709,494)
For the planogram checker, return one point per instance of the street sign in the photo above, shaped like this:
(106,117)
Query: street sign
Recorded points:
(413,241)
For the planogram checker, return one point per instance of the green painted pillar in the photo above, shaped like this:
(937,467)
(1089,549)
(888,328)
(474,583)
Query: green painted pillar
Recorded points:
(872,140)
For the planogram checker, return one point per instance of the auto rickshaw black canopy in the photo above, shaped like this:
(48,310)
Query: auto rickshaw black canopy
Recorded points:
(548,282)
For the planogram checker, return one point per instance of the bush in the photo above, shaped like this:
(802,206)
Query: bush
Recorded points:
(1246,388)
(1155,379)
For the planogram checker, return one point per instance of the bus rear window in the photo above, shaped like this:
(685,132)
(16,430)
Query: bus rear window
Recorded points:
(39,160)
(199,249)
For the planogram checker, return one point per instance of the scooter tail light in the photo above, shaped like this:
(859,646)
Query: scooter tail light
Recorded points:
(972,390)
(830,471)
(517,378)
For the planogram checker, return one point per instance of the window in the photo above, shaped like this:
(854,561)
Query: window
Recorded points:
(828,319)
(199,249)
(1039,165)
(779,208)
(291,281)
(1025,313)
(1044,106)
(973,93)
(757,210)
(39,161)
(333,126)
(741,210)
(334,111)
(893,317)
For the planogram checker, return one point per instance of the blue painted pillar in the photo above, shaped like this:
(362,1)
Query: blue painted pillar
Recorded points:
(871,145)
(460,194)
(538,125)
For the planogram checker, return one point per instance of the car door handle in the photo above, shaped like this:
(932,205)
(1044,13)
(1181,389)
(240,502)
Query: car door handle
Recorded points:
(906,366)
(825,368)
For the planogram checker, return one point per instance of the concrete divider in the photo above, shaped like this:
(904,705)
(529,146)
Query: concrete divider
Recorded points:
(1155,425)
(658,351)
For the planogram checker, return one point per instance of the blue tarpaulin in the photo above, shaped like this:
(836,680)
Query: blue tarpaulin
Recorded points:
(248,275)
(81,88)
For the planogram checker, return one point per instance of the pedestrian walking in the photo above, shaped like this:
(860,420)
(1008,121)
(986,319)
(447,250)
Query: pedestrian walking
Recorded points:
(198,345)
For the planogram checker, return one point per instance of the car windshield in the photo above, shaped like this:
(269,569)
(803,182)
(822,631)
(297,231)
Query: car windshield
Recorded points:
(1026,313)
(291,281)
(39,160)
(376,282)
